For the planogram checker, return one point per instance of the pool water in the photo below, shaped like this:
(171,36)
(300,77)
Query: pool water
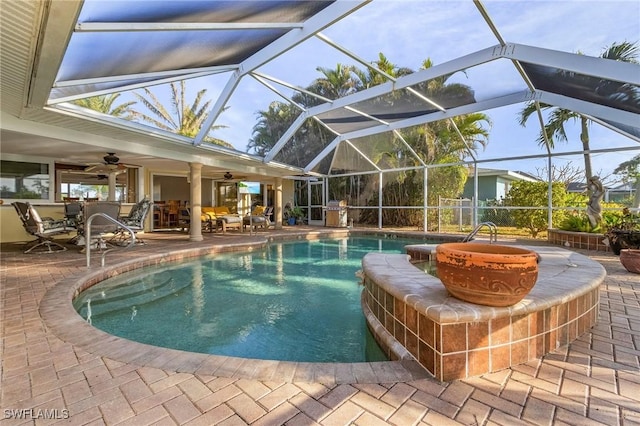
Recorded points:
(293,301)
(428,267)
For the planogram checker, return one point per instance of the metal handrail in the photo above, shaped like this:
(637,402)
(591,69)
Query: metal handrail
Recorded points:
(87,237)
(493,232)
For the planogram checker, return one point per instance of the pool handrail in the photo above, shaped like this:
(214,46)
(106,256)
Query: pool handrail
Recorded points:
(493,232)
(88,236)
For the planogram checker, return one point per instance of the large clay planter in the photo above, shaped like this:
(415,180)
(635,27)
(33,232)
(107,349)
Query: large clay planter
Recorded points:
(630,259)
(486,274)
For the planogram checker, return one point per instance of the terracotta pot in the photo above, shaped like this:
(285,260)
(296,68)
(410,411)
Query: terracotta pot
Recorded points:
(630,259)
(486,274)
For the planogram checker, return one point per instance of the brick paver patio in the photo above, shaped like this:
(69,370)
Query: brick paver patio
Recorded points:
(595,380)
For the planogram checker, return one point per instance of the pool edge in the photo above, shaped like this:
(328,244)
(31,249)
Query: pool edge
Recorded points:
(60,317)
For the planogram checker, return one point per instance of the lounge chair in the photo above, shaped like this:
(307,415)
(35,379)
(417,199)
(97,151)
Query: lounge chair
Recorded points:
(208,221)
(221,218)
(44,228)
(259,218)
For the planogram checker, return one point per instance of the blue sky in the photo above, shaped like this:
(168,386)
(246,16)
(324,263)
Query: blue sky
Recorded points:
(408,32)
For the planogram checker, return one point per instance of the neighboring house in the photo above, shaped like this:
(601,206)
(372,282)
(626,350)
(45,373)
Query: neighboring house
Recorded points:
(577,187)
(494,184)
(619,193)
(613,195)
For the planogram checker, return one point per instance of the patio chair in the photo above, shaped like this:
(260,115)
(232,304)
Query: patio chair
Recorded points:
(208,222)
(268,212)
(72,211)
(158,214)
(172,212)
(43,228)
(73,215)
(134,221)
(184,218)
(100,225)
(259,217)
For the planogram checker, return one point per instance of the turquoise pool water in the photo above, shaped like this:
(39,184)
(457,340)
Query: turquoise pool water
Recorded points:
(293,301)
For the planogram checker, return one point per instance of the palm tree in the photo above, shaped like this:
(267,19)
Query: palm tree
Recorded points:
(558,117)
(335,83)
(445,141)
(369,77)
(105,105)
(271,126)
(437,142)
(183,119)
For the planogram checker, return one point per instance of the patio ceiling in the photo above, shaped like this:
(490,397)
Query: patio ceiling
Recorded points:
(99,47)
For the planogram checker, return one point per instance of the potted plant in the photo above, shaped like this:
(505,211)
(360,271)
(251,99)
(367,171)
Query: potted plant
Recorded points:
(630,259)
(298,214)
(624,233)
(287,216)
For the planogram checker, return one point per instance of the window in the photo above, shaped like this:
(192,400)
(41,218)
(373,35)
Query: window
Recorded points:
(228,195)
(23,180)
(81,184)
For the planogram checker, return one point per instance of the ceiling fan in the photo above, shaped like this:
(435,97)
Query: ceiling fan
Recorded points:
(111,163)
(229,177)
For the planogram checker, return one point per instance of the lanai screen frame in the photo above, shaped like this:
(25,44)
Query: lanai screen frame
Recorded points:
(612,116)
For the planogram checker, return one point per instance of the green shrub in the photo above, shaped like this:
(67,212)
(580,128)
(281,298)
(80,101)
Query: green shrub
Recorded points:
(621,220)
(534,194)
(577,200)
(578,223)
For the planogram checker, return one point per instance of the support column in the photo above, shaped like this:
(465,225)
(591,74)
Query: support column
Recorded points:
(277,213)
(112,186)
(195,229)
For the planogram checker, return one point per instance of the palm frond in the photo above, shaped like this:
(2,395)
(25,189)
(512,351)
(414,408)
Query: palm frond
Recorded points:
(623,52)
(157,108)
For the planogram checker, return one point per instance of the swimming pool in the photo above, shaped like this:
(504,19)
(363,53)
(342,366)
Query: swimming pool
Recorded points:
(293,301)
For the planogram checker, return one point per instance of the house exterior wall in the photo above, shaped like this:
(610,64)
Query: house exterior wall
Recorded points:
(487,187)
(618,196)
(11,229)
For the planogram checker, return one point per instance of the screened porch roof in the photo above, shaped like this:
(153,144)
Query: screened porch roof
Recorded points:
(242,51)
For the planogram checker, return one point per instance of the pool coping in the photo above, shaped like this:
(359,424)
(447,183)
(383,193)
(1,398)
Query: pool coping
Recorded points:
(60,317)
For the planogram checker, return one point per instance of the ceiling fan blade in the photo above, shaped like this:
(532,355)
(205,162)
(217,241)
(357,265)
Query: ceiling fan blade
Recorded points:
(129,166)
(105,168)
(111,163)
(232,180)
